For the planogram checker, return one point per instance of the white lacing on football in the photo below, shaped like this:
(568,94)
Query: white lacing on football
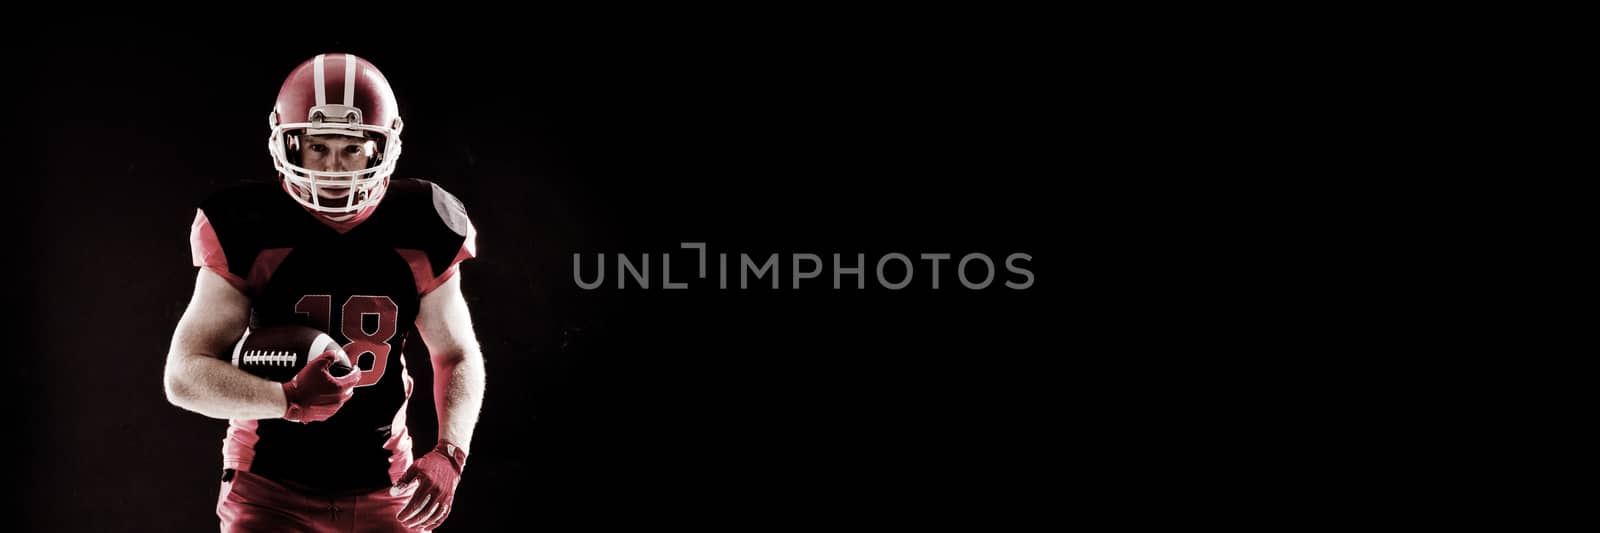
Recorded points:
(268,358)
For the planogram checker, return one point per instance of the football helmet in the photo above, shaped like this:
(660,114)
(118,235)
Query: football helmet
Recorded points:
(335,94)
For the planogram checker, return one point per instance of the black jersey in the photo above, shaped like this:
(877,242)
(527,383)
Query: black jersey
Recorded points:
(363,287)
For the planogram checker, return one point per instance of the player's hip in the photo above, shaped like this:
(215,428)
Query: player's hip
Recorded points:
(252,502)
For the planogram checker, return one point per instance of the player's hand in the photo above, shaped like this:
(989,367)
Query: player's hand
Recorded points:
(435,475)
(315,394)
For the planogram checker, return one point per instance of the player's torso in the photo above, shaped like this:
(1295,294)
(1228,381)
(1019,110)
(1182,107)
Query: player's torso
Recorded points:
(362,293)
(362,288)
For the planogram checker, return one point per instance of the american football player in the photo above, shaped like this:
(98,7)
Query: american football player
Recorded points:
(337,244)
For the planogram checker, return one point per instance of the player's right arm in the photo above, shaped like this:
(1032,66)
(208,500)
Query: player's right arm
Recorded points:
(196,377)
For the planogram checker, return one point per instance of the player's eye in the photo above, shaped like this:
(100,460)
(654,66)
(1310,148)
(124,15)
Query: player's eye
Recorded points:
(319,148)
(352,149)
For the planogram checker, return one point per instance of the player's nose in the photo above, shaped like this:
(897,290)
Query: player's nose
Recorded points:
(335,165)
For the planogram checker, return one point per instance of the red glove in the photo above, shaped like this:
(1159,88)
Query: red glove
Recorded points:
(436,475)
(314,394)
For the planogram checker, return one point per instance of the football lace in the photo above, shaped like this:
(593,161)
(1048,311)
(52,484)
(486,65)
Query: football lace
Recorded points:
(268,357)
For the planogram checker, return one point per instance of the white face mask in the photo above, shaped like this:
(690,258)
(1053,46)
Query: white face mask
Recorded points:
(346,192)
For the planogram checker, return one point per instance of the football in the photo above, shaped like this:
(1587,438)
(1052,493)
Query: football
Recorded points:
(277,353)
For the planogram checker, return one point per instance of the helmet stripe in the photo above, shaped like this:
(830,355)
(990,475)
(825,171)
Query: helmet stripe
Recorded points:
(322,95)
(349,80)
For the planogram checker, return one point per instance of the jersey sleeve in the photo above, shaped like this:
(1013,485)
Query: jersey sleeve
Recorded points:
(452,240)
(206,250)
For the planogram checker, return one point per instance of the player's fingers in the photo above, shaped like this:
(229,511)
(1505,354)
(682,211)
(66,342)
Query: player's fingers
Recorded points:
(444,511)
(347,381)
(423,516)
(432,514)
(419,501)
(340,357)
(426,494)
(347,384)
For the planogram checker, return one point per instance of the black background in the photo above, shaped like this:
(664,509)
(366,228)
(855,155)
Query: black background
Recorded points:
(645,406)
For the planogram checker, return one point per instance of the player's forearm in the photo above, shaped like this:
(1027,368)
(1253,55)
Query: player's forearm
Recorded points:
(216,389)
(458,393)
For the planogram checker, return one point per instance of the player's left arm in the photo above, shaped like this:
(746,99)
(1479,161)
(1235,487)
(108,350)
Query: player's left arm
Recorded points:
(458,381)
(458,377)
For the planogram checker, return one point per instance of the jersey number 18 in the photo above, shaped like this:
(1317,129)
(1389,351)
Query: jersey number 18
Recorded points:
(368,350)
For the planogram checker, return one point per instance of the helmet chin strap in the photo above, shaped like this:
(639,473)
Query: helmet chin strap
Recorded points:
(345,221)
(355,195)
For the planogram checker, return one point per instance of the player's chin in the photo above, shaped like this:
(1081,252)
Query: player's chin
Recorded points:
(334,196)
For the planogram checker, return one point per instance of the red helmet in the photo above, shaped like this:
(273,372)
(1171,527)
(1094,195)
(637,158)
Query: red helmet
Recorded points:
(335,94)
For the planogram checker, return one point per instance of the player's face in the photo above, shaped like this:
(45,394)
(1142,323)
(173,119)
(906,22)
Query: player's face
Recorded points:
(336,153)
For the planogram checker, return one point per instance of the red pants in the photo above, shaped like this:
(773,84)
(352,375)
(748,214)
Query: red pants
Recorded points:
(251,503)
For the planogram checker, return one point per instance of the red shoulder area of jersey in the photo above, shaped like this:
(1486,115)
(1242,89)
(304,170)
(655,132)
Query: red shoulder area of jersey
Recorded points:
(454,216)
(422,267)
(206,250)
